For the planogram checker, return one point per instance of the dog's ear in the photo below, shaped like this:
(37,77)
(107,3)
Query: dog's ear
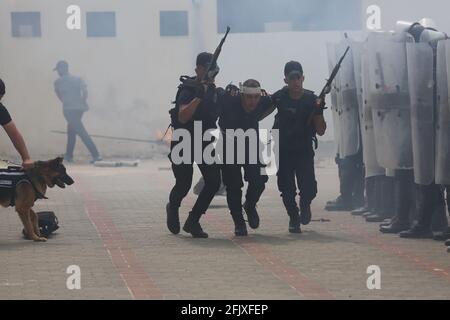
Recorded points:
(56,162)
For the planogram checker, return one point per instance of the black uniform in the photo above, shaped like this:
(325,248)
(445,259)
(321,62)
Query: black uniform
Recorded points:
(5,117)
(207,112)
(296,153)
(351,183)
(233,116)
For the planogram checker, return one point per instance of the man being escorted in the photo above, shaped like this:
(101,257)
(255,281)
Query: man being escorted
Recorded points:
(240,115)
(299,119)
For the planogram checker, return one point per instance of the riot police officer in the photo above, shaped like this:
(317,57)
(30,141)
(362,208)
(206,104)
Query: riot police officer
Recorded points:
(299,118)
(196,102)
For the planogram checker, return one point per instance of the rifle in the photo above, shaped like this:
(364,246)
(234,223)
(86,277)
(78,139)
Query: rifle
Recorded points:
(216,55)
(327,88)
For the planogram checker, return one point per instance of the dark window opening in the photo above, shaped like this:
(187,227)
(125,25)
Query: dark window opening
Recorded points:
(26,24)
(173,23)
(101,24)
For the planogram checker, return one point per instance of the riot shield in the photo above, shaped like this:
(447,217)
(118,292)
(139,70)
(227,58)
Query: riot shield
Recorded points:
(350,142)
(421,92)
(389,98)
(442,174)
(371,165)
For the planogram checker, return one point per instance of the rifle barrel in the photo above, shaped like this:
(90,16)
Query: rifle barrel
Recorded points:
(330,80)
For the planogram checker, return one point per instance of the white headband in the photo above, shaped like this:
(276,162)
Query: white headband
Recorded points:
(249,90)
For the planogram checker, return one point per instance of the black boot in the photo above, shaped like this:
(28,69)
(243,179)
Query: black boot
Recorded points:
(360,211)
(252,215)
(376,217)
(340,204)
(377,200)
(439,222)
(333,202)
(417,232)
(385,205)
(305,214)
(347,170)
(294,223)
(403,198)
(425,205)
(173,220)
(240,229)
(396,226)
(386,222)
(371,194)
(192,226)
(359,183)
(338,161)
(442,236)
(388,198)
(369,213)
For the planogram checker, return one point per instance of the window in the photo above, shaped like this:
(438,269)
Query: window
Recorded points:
(288,15)
(26,24)
(173,23)
(101,24)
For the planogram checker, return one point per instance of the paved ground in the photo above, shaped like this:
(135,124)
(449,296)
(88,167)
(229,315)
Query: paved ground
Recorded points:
(113,227)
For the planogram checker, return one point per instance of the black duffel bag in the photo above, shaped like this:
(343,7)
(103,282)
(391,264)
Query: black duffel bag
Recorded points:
(48,223)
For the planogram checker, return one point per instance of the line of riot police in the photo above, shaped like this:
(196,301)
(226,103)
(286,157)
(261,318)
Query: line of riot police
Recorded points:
(391,115)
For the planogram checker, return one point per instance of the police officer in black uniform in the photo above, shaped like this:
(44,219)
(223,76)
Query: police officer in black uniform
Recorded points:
(196,101)
(243,112)
(351,185)
(299,119)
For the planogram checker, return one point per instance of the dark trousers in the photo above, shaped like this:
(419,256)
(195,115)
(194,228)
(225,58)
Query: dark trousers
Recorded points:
(404,195)
(232,178)
(75,127)
(387,197)
(351,179)
(384,201)
(183,181)
(371,193)
(296,170)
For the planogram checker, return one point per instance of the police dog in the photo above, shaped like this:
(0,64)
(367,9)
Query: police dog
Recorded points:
(44,174)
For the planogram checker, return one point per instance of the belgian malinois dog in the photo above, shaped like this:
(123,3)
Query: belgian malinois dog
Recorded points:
(27,191)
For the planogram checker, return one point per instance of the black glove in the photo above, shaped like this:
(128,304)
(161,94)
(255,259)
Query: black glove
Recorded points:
(200,91)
